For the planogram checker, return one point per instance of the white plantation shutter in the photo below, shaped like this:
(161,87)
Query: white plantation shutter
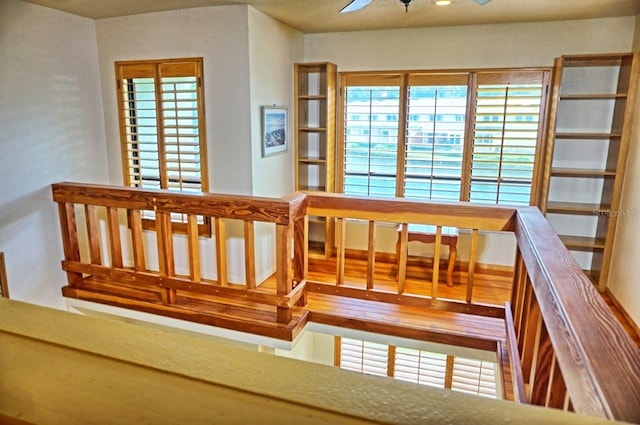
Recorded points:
(370,149)
(421,367)
(364,356)
(162,124)
(418,366)
(436,115)
(474,377)
(505,137)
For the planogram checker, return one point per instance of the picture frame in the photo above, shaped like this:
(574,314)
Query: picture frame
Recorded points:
(275,137)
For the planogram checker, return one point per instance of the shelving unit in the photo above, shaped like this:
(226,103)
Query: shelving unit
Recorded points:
(590,123)
(315,135)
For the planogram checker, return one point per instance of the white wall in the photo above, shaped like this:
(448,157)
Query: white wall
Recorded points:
(52,131)
(273,49)
(220,36)
(624,281)
(498,45)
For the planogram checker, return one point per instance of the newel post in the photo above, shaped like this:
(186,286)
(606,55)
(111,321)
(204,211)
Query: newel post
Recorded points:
(284,268)
(70,244)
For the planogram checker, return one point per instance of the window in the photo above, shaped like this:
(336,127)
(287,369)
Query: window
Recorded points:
(468,136)
(438,370)
(161,118)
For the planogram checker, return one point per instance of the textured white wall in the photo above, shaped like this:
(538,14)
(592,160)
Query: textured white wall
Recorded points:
(52,131)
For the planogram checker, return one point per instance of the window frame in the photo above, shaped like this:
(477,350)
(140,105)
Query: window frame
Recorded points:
(157,69)
(445,77)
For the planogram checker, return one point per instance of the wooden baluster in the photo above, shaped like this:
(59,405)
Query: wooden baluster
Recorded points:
(70,245)
(165,253)
(115,245)
(340,246)
(284,269)
(518,291)
(221,252)
(401,256)
(436,263)
(529,342)
(473,255)
(371,254)
(249,256)
(557,392)
(194,248)
(541,370)
(137,239)
(93,234)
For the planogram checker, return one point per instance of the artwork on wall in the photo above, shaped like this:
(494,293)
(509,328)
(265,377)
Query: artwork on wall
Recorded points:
(274,130)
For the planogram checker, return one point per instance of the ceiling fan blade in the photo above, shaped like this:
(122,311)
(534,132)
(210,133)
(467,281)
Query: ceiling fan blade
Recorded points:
(482,2)
(355,5)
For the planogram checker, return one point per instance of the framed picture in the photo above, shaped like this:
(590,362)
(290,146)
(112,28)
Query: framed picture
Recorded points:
(274,130)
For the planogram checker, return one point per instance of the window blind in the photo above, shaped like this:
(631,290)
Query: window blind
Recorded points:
(162,124)
(370,148)
(421,367)
(507,123)
(364,356)
(435,141)
(474,377)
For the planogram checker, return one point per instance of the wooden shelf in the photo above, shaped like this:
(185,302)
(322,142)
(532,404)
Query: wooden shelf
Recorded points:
(594,96)
(312,188)
(312,97)
(575,208)
(603,59)
(581,172)
(582,242)
(312,129)
(578,135)
(312,160)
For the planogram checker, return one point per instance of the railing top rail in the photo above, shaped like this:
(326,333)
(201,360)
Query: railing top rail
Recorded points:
(599,361)
(274,210)
(458,214)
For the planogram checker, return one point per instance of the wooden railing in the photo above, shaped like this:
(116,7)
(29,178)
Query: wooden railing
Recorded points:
(125,207)
(398,212)
(567,349)
(574,354)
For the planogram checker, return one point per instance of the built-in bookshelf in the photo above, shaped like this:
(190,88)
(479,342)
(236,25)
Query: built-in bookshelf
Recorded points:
(589,131)
(315,134)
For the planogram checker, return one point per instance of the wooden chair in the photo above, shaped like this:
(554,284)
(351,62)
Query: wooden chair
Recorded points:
(426,233)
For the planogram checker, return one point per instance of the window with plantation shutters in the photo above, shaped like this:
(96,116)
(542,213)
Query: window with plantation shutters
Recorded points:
(364,356)
(421,367)
(161,117)
(436,118)
(371,117)
(437,370)
(505,137)
(474,377)
(446,136)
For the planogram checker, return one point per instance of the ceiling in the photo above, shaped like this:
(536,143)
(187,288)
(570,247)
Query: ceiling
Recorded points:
(313,16)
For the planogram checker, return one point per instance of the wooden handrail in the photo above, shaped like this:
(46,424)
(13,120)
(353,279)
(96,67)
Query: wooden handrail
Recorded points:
(599,362)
